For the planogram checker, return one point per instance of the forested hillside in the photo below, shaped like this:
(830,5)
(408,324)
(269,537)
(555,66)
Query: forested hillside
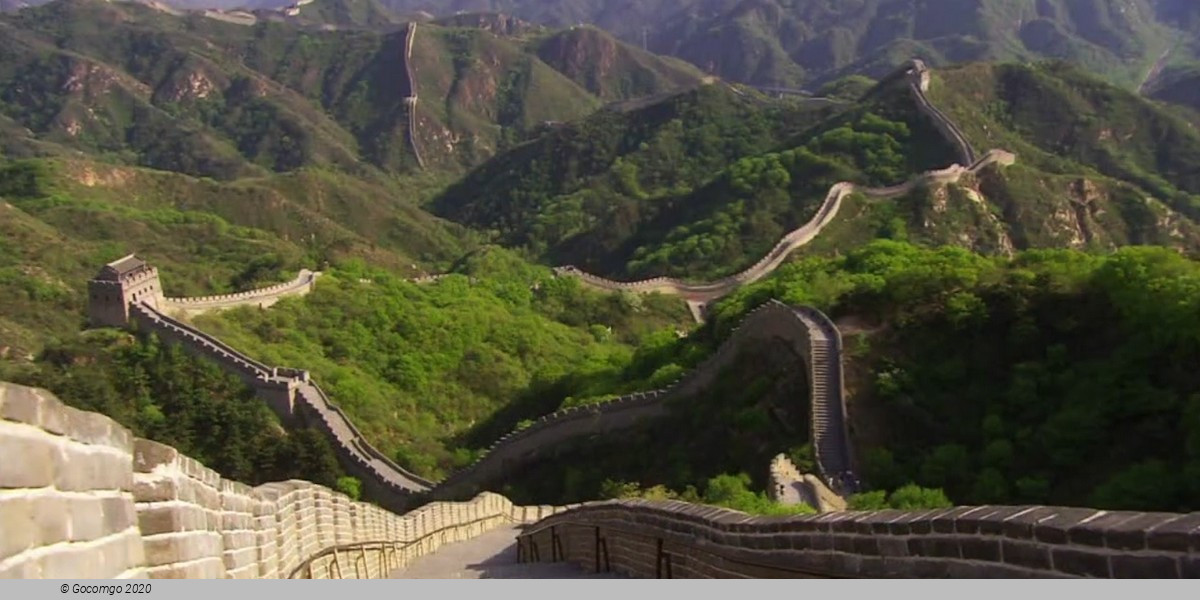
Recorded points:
(1020,332)
(1054,378)
(619,195)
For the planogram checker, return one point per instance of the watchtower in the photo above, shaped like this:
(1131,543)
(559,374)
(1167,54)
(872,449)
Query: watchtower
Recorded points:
(119,284)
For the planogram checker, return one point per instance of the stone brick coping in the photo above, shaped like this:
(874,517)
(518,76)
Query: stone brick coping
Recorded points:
(965,541)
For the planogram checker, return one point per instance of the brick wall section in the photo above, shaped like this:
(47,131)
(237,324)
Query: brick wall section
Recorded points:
(262,297)
(961,542)
(66,508)
(771,320)
(87,500)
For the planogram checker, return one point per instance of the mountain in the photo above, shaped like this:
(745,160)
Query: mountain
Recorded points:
(611,69)
(791,43)
(207,97)
(648,192)
(367,14)
(1178,86)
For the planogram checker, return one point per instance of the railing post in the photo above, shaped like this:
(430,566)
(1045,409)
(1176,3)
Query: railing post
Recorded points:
(660,558)
(597,550)
(555,545)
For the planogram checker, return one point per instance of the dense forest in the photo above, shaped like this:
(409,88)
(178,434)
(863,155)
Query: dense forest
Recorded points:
(421,367)
(1056,377)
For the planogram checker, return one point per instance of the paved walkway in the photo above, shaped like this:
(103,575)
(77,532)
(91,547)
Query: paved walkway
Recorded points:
(492,555)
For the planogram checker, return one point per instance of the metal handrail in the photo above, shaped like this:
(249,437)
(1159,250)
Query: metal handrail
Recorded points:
(392,544)
(534,530)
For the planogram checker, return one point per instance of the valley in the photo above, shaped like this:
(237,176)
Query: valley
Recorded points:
(564,258)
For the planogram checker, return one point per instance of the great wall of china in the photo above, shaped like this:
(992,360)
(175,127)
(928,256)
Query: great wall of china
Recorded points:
(809,332)
(262,298)
(699,295)
(410,101)
(88,500)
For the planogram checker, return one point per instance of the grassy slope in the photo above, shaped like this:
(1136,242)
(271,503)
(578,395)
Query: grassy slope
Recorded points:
(205,236)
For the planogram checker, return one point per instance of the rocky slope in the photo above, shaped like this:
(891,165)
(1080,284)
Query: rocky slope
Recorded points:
(208,97)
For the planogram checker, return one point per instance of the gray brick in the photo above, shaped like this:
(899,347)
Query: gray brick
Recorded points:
(21,404)
(1020,526)
(1189,567)
(1179,535)
(1131,533)
(983,549)
(17,524)
(1092,532)
(1083,562)
(1127,566)
(1054,530)
(1026,554)
(48,517)
(36,467)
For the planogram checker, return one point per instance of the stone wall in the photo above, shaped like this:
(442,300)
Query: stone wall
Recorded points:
(87,500)
(263,297)
(66,492)
(296,399)
(411,100)
(788,486)
(919,78)
(771,320)
(672,539)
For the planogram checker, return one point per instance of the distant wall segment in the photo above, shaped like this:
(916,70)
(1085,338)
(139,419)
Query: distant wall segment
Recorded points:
(805,329)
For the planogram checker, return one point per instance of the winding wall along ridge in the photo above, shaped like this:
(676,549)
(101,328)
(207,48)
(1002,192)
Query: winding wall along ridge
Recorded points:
(262,297)
(813,336)
(821,341)
(293,395)
(917,75)
(410,36)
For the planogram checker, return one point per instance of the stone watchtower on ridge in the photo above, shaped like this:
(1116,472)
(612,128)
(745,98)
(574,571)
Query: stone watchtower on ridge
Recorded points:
(119,284)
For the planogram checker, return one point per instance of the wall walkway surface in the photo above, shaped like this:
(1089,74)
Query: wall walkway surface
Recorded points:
(410,37)
(642,538)
(88,500)
(263,298)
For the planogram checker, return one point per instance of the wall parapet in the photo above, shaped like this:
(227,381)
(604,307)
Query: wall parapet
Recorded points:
(803,327)
(918,77)
(801,236)
(292,393)
(88,500)
(643,538)
(302,284)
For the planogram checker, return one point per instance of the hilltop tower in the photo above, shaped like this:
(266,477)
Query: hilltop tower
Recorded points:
(119,284)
